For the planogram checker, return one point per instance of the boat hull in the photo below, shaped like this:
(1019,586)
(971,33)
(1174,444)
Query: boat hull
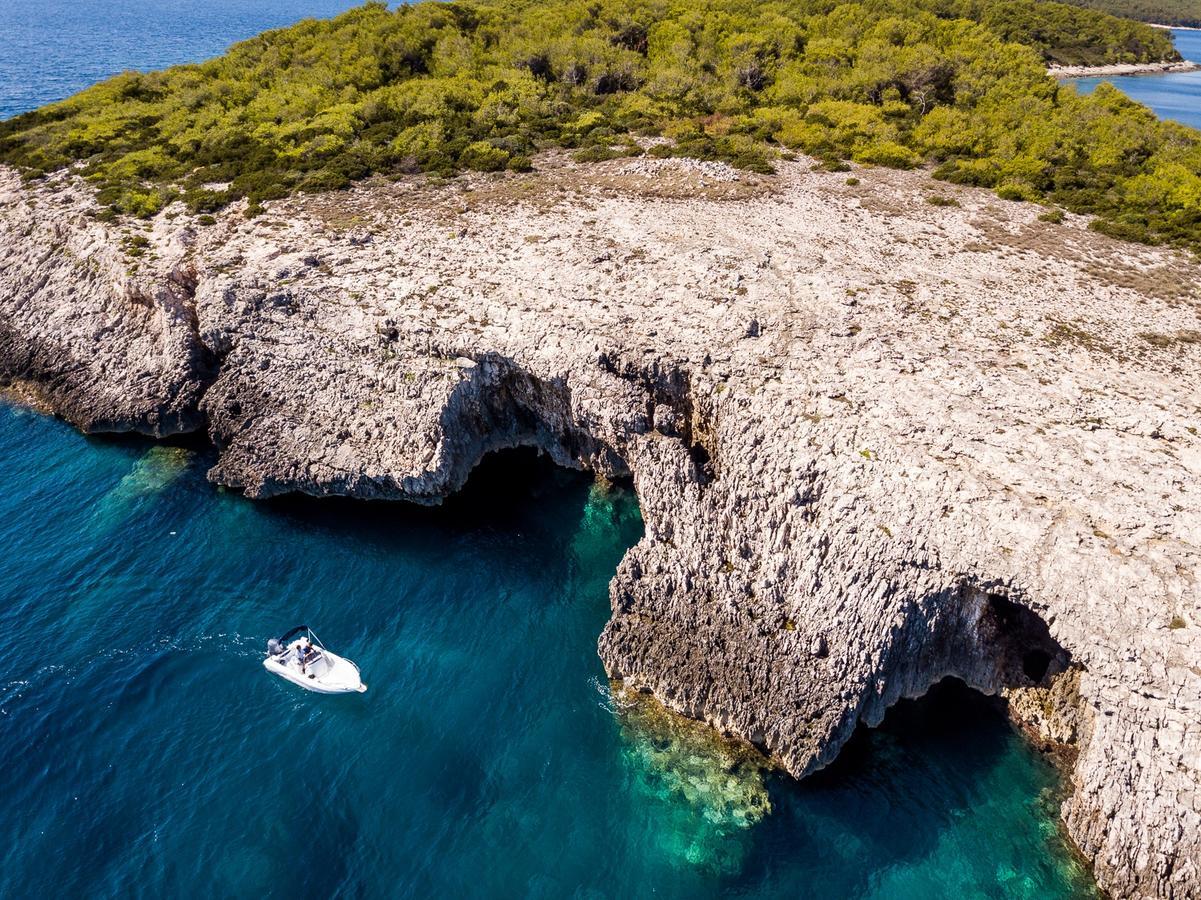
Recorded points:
(342,676)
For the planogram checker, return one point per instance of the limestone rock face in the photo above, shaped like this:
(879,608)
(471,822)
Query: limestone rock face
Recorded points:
(876,441)
(112,353)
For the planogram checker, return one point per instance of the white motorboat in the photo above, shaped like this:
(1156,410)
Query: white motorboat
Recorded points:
(306,662)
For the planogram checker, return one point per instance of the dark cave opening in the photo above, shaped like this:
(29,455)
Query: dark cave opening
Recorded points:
(1035,664)
(1027,654)
(701,462)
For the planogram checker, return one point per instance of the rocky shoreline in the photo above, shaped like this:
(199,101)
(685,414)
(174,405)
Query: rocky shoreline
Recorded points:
(883,431)
(1156,68)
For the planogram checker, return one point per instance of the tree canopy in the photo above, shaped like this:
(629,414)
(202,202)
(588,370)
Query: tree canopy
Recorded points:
(1163,12)
(483,84)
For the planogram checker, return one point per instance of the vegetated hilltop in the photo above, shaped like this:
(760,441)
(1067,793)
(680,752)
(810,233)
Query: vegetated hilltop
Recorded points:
(1163,12)
(481,84)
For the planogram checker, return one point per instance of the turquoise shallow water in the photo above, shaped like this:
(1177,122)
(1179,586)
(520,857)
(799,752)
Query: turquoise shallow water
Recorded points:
(1172,96)
(147,754)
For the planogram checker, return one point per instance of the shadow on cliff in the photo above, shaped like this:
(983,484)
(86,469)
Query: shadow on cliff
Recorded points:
(508,490)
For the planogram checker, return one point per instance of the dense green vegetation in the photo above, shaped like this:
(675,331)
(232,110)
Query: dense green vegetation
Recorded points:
(483,84)
(1164,12)
(1063,34)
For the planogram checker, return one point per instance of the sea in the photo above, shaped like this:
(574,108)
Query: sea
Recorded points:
(1173,95)
(147,753)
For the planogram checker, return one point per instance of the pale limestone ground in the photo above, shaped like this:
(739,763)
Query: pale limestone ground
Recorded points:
(876,441)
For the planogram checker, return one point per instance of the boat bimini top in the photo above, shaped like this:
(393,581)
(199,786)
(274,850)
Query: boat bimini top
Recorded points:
(305,661)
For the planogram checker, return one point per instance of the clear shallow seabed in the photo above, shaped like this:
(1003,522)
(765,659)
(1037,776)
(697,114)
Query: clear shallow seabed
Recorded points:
(147,753)
(1174,95)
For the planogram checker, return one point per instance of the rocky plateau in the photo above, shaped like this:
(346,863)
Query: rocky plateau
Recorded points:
(883,430)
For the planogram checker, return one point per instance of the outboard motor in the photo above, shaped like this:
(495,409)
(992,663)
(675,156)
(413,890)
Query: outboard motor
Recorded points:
(274,647)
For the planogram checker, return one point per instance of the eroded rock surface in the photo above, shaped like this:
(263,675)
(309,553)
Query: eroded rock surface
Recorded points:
(876,441)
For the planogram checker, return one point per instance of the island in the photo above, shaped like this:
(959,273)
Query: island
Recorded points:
(904,371)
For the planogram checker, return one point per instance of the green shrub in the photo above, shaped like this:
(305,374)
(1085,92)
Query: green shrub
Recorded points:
(483,157)
(1018,192)
(201,200)
(1064,34)
(143,203)
(598,153)
(1126,231)
(886,153)
(135,245)
(1167,12)
(833,164)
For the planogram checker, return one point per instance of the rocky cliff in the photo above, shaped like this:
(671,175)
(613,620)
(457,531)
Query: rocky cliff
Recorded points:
(878,440)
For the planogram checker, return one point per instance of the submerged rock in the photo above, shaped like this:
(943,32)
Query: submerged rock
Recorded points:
(708,787)
(155,470)
(153,473)
(962,441)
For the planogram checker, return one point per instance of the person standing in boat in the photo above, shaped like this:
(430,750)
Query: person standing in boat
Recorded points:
(302,653)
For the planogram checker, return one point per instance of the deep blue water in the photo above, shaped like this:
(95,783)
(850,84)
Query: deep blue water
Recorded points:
(147,753)
(49,49)
(1172,96)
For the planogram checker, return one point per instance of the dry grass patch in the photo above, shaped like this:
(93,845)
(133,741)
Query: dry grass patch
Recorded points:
(1173,282)
(1166,341)
(1077,334)
(1041,238)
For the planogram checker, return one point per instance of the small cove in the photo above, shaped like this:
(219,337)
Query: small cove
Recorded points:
(1173,95)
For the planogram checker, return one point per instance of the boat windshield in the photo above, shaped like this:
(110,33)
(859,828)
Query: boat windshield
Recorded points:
(308,658)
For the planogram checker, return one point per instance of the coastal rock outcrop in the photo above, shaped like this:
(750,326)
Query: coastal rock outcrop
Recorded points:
(1152,68)
(877,440)
(115,354)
